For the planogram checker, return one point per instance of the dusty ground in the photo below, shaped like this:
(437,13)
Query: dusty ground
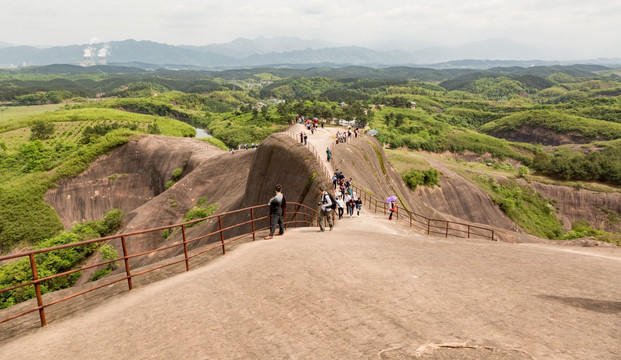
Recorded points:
(368,289)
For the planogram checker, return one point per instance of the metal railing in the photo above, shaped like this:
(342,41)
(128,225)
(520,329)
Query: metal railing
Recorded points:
(300,215)
(428,225)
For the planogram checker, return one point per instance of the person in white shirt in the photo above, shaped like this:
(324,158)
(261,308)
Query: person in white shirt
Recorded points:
(347,200)
(340,205)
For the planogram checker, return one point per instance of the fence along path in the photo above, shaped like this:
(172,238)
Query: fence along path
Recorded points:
(258,220)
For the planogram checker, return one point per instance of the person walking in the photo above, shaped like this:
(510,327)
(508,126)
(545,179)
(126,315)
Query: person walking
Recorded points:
(347,200)
(328,154)
(340,205)
(278,205)
(305,139)
(326,208)
(393,209)
(351,206)
(358,205)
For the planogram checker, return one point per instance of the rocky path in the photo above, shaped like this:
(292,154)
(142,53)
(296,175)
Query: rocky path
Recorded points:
(367,290)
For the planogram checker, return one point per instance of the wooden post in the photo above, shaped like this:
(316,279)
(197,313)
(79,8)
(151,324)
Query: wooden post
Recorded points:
(254,236)
(221,234)
(185,249)
(127,271)
(447,224)
(468,231)
(428,226)
(35,277)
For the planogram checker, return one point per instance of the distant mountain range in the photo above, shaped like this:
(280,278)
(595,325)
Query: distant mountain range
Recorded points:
(280,51)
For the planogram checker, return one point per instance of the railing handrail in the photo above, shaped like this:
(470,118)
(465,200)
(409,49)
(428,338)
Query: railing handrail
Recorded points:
(139,232)
(365,193)
(307,213)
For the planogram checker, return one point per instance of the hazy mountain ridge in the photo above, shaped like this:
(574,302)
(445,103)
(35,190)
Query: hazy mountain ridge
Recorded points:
(288,51)
(241,48)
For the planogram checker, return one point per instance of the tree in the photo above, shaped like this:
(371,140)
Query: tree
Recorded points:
(41,130)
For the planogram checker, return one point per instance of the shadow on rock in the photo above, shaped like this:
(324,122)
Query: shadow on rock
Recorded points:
(601,306)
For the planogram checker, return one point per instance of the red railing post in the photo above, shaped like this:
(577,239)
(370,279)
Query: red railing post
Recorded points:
(409,213)
(375,206)
(447,225)
(254,236)
(492,235)
(428,226)
(126,260)
(37,285)
(384,208)
(185,249)
(468,231)
(397,213)
(221,234)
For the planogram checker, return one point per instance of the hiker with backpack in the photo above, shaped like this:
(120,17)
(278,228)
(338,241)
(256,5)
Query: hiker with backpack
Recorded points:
(327,203)
(278,206)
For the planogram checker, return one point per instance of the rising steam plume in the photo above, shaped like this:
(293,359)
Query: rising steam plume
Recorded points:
(96,53)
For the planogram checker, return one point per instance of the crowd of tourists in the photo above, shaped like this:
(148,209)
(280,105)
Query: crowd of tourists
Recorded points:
(345,135)
(341,201)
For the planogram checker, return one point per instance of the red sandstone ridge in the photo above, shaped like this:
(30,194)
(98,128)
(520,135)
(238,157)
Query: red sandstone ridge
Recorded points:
(601,210)
(132,178)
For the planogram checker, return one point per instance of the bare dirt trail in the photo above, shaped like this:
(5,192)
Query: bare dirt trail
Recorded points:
(367,290)
(322,139)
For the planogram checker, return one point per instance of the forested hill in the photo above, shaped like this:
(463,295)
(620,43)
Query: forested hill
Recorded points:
(456,75)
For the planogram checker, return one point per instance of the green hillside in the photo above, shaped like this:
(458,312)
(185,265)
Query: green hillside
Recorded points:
(39,150)
(588,129)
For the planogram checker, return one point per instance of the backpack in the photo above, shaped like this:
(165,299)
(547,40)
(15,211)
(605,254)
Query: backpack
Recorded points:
(333,200)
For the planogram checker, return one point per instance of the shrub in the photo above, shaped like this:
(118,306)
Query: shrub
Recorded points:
(201,210)
(430,177)
(58,261)
(41,130)
(523,171)
(113,220)
(176,174)
(107,253)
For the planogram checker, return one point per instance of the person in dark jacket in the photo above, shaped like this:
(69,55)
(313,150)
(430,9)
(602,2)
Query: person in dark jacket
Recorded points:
(277,205)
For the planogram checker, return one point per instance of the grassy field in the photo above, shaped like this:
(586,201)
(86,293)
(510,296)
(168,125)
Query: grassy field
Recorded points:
(12,112)
(28,168)
(403,161)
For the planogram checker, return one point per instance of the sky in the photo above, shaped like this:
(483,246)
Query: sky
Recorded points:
(590,28)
